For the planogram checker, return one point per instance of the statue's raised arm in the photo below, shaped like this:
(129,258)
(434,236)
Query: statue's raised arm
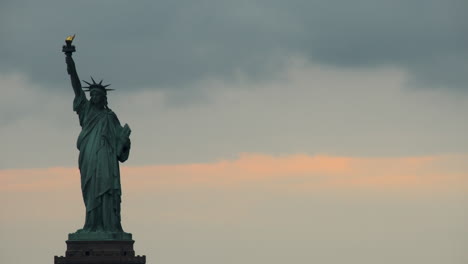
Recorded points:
(68,49)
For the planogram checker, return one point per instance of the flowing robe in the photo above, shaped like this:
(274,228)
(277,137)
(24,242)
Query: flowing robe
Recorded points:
(102,146)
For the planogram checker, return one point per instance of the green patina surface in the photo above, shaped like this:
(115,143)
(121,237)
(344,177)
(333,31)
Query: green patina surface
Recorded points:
(102,143)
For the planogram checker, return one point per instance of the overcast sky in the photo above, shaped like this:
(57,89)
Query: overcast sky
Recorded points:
(253,84)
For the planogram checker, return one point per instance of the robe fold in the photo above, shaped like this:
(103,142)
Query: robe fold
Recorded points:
(102,146)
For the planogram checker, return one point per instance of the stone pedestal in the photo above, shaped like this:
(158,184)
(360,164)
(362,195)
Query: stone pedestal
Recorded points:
(100,252)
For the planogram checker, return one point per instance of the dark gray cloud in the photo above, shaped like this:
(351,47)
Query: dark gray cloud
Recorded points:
(172,43)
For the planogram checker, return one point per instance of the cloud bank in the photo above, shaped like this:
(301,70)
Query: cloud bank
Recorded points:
(307,109)
(172,44)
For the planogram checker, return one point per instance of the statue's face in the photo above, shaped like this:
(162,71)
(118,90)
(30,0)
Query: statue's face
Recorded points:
(98,98)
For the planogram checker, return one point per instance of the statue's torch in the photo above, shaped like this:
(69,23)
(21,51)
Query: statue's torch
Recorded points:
(68,49)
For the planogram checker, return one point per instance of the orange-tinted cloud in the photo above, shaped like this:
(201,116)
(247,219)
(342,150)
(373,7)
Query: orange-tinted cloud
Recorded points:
(283,173)
(38,179)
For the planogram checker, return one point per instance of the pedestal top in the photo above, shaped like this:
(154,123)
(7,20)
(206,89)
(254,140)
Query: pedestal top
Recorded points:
(99,236)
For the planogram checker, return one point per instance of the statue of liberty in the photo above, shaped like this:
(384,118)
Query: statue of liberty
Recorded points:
(102,143)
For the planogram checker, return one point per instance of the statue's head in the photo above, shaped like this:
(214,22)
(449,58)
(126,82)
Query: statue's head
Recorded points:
(98,97)
(98,93)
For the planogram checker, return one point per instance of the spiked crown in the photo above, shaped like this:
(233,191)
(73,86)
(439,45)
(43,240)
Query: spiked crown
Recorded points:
(95,85)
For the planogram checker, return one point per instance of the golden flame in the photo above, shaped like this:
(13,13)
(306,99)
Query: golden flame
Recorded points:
(70,38)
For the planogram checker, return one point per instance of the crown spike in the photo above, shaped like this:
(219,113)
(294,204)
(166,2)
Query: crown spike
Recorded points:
(96,85)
